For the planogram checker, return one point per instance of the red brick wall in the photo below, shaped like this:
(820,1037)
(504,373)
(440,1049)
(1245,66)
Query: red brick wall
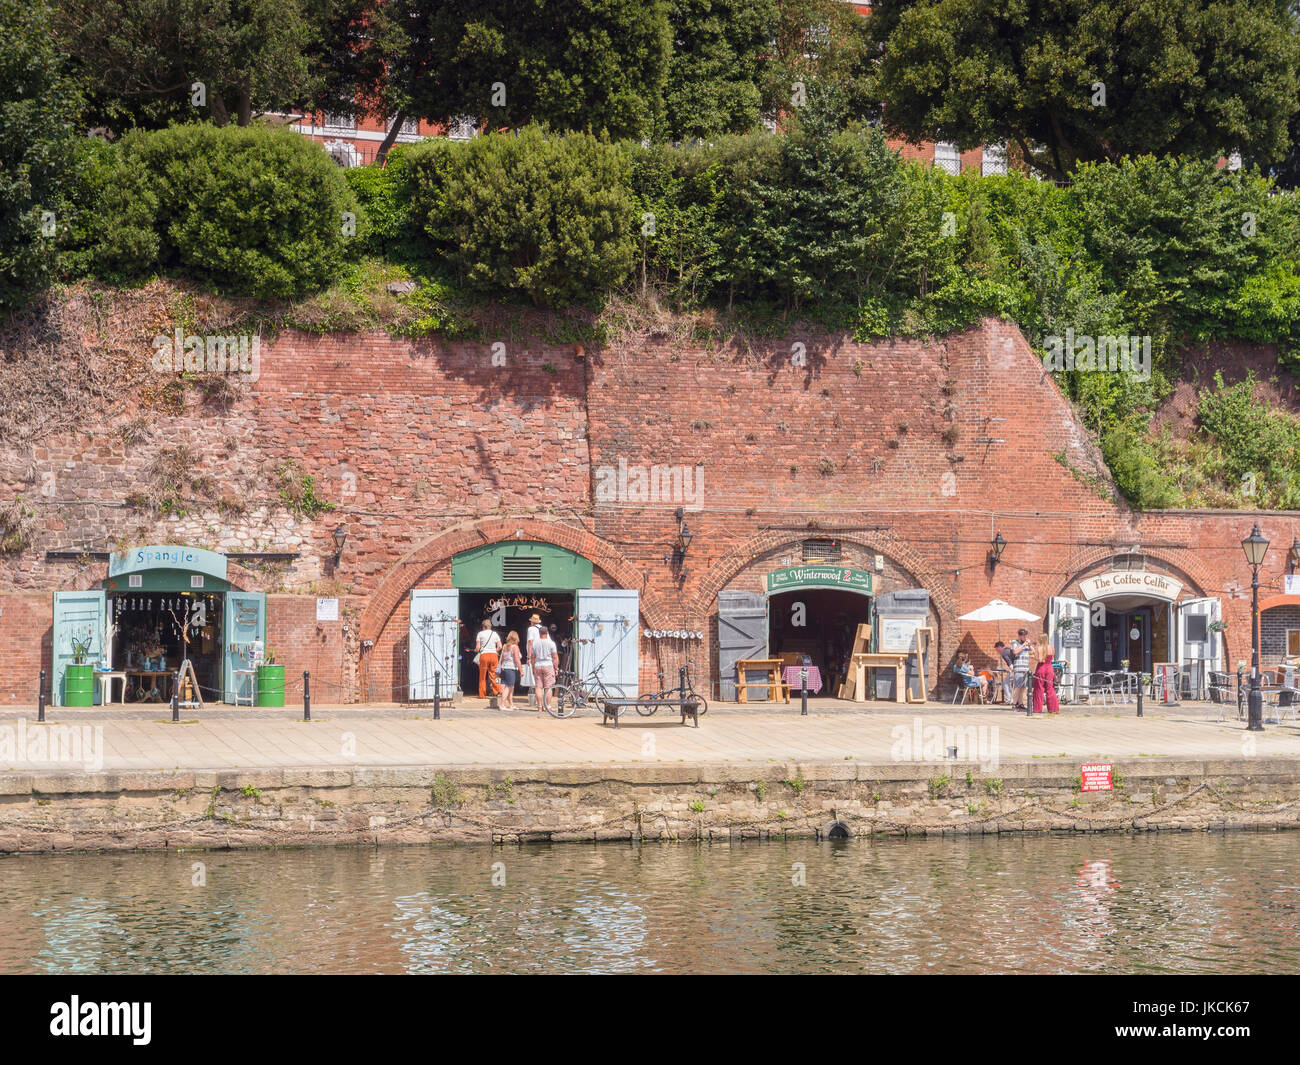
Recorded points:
(919,451)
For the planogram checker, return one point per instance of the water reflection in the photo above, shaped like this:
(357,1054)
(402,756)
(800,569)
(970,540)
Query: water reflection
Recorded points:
(1187,903)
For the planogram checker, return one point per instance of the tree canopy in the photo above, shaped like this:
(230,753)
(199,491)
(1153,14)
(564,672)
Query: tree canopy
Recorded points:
(1071,81)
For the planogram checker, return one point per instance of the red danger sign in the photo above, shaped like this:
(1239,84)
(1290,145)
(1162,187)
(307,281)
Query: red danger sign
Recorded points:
(1096,777)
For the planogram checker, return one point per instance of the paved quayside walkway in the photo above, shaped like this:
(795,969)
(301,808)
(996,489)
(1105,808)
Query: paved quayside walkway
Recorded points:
(353,736)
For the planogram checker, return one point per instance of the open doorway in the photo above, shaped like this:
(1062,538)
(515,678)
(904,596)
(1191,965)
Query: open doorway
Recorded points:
(819,623)
(509,612)
(147,639)
(1133,629)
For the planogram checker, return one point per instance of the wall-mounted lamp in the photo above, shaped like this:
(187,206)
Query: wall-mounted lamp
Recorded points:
(340,538)
(1294,557)
(995,556)
(684,538)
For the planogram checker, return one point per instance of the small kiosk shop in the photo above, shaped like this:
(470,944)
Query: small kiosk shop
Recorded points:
(160,606)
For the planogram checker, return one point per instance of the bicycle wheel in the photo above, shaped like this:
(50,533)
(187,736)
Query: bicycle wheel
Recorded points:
(645,704)
(704,703)
(562,702)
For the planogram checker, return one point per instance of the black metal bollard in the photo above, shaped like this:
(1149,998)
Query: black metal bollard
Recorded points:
(306,695)
(803,692)
(1139,687)
(437,696)
(176,696)
(40,699)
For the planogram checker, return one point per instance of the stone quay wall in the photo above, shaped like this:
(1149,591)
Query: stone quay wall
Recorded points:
(297,807)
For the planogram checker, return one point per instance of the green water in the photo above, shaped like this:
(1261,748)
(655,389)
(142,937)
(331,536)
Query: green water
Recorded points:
(1188,903)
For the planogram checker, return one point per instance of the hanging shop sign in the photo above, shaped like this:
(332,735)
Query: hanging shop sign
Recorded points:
(1130,582)
(852,580)
(523,602)
(167,556)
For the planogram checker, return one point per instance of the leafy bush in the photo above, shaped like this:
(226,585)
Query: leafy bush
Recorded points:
(384,198)
(251,210)
(547,217)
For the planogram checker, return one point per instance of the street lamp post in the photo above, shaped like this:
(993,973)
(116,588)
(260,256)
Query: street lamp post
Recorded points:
(1256,547)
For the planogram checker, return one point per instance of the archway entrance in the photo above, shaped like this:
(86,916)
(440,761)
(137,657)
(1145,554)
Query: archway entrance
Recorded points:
(506,583)
(1137,619)
(817,626)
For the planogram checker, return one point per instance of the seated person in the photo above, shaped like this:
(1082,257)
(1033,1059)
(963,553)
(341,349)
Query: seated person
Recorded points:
(969,677)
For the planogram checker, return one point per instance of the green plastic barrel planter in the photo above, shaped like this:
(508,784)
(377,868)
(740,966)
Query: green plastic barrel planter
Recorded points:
(270,685)
(79,686)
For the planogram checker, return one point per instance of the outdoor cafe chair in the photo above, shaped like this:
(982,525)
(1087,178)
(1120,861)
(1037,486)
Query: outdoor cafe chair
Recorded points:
(1220,693)
(1101,685)
(966,685)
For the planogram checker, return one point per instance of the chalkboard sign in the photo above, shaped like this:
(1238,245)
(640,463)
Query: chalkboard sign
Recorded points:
(1071,637)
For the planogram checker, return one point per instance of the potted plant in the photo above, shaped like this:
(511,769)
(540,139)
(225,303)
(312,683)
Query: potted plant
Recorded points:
(79,677)
(270,681)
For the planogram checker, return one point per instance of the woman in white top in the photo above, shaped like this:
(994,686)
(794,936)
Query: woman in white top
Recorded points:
(489,646)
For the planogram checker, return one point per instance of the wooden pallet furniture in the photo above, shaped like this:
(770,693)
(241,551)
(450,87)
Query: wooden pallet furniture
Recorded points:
(895,660)
(775,685)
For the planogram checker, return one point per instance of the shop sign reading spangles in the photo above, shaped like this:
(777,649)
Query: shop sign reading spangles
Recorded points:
(1096,777)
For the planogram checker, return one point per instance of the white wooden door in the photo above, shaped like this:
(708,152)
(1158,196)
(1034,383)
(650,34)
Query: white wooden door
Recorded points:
(434,645)
(607,619)
(1073,646)
(1199,645)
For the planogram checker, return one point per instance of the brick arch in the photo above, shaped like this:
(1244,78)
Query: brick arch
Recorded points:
(1193,571)
(942,599)
(724,571)
(405,574)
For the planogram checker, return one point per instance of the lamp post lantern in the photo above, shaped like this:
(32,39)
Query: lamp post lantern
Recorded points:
(1256,547)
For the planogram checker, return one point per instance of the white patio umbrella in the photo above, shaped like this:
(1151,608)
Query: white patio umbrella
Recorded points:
(999,611)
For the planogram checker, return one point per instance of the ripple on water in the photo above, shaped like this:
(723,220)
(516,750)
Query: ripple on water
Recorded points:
(1154,903)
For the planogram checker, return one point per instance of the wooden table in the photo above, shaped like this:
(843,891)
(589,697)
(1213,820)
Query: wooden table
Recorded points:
(896,660)
(774,685)
(153,676)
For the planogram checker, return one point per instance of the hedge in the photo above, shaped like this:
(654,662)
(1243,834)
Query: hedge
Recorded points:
(249,210)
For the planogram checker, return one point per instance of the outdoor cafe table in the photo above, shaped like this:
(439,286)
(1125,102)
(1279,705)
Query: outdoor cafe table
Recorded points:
(792,677)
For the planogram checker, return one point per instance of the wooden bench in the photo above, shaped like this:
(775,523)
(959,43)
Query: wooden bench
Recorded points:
(614,707)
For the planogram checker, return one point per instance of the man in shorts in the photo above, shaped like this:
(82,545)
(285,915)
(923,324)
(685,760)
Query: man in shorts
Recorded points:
(544,657)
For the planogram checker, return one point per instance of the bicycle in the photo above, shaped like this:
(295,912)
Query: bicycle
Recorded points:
(682,693)
(573,693)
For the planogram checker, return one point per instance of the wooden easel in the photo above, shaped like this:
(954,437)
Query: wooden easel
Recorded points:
(185,676)
(860,643)
(924,637)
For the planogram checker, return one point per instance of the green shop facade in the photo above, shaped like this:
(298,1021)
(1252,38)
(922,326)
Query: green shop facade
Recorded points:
(158,606)
(508,583)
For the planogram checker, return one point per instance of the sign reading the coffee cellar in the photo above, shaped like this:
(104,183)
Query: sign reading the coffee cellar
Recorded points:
(1130,582)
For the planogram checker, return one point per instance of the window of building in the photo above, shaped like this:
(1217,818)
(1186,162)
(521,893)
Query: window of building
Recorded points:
(410,127)
(947,157)
(995,159)
(462,128)
(340,121)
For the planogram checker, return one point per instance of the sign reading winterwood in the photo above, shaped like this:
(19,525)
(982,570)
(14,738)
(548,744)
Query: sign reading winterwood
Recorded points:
(784,580)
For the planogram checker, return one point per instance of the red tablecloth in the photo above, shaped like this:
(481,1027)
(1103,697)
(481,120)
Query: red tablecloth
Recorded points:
(790,674)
